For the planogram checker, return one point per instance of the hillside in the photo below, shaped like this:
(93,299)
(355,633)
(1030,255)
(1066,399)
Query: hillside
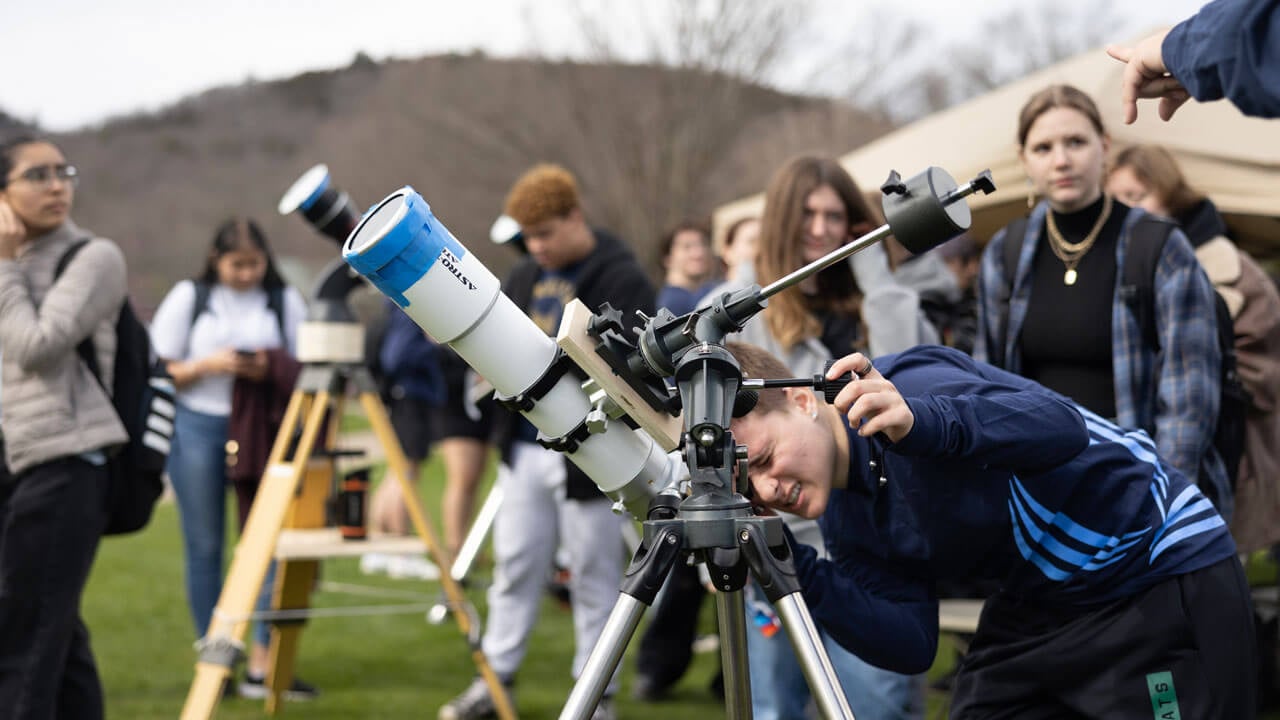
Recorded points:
(649,146)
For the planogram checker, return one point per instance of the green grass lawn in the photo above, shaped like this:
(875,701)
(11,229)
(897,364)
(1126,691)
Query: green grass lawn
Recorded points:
(375,666)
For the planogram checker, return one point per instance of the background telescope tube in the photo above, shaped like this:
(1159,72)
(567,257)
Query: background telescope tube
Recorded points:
(405,252)
(328,209)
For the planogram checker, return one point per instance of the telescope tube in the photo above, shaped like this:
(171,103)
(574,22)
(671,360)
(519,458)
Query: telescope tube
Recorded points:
(328,209)
(405,252)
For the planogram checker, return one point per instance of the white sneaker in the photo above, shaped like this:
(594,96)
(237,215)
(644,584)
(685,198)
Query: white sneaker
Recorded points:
(474,703)
(374,563)
(414,567)
(706,644)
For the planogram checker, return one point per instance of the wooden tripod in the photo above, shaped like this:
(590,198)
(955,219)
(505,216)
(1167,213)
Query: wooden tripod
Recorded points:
(292,494)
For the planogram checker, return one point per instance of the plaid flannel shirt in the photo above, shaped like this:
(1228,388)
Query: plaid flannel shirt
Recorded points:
(1171,392)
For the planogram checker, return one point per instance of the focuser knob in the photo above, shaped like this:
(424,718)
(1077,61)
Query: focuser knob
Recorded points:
(830,388)
(606,318)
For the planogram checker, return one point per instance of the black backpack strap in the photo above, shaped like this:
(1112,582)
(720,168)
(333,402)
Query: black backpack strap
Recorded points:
(202,300)
(85,349)
(1141,258)
(203,288)
(1014,235)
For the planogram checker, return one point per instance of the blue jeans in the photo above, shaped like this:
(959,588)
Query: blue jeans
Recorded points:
(198,470)
(780,692)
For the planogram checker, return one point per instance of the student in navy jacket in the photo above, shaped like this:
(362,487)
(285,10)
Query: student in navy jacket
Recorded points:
(1230,49)
(1120,590)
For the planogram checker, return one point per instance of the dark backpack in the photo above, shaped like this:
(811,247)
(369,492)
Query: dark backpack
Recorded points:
(1146,242)
(143,400)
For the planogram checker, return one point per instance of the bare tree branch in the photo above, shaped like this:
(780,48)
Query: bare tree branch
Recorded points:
(649,167)
(897,77)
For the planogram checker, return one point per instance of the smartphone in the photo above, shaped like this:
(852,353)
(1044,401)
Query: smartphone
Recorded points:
(246,354)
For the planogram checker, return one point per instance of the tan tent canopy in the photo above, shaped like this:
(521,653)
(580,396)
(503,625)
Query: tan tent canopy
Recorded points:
(1233,159)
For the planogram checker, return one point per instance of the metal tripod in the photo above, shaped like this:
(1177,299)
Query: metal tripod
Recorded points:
(716,525)
(733,543)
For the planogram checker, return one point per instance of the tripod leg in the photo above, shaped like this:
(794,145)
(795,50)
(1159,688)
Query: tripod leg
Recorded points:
(604,658)
(295,579)
(479,530)
(776,576)
(639,587)
(823,683)
(470,546)
(221,647)
(294,582)
(399,465)
(733,653)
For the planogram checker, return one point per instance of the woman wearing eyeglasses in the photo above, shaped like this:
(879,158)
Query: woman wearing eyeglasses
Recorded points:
(56,422)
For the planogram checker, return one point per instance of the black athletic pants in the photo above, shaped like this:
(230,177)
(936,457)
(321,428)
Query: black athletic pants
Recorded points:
(666,647)
(51,518)
(1183,649)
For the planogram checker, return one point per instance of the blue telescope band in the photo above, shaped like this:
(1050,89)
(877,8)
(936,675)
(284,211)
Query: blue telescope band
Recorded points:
(406,251)
(315,194)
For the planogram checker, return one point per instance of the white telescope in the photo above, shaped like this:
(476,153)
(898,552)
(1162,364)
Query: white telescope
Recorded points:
(404,251)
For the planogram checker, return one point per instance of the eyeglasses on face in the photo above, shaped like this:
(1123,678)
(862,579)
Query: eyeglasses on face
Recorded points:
(44,175)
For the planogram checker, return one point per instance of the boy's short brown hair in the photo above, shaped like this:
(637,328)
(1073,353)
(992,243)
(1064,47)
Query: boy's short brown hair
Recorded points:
(756,362)
(544,192)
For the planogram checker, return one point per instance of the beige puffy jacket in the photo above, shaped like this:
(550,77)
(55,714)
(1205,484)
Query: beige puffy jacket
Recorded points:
(51,406)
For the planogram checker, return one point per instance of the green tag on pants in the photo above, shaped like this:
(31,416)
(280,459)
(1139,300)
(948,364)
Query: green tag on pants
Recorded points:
(1164,699)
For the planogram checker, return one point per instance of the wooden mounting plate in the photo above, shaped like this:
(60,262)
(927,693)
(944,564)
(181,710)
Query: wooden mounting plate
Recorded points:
(580,347)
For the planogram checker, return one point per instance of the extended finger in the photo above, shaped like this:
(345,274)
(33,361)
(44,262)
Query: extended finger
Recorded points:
(1170,103)
(1159,87)
(1120,52)
(1129,89)
(10,227)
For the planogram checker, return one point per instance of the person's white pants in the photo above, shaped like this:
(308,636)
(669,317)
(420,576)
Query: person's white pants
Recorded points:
(533,520)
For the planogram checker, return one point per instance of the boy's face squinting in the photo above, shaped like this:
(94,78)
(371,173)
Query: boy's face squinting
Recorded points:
(791,458)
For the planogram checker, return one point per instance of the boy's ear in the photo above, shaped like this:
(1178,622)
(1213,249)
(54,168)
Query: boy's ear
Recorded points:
(802,398)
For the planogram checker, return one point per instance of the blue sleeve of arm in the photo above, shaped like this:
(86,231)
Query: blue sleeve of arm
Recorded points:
(1231,49)
(885,619)
(965,409)
(406,350)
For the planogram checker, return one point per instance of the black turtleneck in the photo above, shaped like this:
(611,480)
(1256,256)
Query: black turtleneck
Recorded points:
(1066,339)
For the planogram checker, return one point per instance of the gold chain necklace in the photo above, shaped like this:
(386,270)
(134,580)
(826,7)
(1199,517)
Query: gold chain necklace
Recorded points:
(1072,253)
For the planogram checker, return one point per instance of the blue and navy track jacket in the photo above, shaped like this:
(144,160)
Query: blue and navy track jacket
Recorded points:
(1000,479)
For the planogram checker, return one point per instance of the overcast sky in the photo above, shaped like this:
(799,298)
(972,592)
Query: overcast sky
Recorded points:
(74,62)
